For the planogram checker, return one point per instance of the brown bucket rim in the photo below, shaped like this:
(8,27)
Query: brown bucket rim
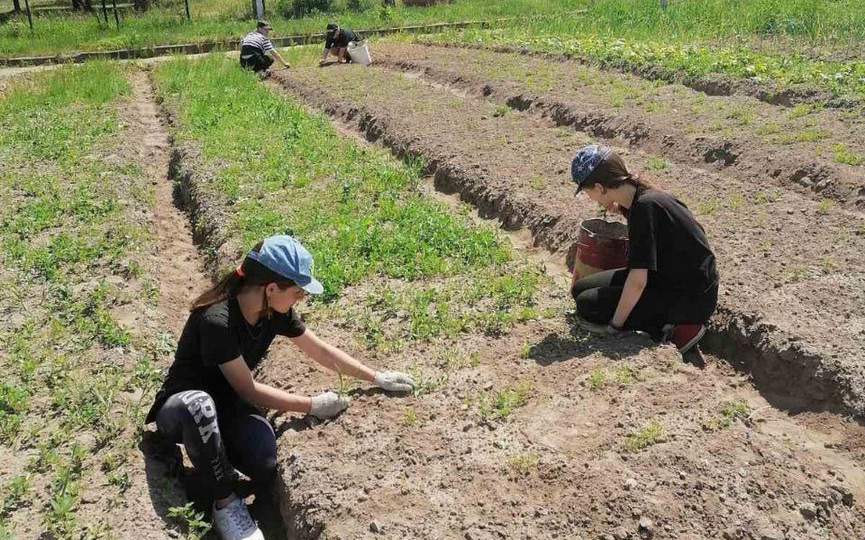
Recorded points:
(600,235)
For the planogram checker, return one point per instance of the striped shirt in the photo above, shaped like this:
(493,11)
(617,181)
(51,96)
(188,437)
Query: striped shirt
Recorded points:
(258,40)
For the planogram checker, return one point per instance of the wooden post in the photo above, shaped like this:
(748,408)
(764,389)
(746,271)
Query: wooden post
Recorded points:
(104,12)
(16,6)
(116,16)
(187,11)
(29,15)
(664,5)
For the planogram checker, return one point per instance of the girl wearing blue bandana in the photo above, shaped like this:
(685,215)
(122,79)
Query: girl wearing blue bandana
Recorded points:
(210,402)
(669,288)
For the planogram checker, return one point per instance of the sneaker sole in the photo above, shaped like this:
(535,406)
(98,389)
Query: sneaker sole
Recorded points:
(694,340)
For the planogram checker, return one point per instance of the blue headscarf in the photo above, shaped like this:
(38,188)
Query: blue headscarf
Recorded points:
(586,161)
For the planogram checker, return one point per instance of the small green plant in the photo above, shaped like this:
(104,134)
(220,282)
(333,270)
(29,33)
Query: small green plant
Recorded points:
(796,274)
(736,202)
(525,350)
(655,163)
(16,492)
(825,206)
(500,110)
(345,384)
(537,182)
(846,156)
(827,264)
(596,379)
(645,437)
(196,527)
(626,375)
(502,403)
(730,413)
(409,417)
(424,384)
(524,463)
(708,207)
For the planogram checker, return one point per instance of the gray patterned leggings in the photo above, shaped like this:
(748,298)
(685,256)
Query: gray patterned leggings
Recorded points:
(239,438)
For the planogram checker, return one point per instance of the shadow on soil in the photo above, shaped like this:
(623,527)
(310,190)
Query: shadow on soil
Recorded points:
(579,344)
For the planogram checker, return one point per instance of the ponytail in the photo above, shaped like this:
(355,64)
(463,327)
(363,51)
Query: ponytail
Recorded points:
(250,273)
(612,173)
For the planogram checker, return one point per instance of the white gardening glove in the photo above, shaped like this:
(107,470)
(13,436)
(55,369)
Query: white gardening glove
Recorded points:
(328,405)
(394,381)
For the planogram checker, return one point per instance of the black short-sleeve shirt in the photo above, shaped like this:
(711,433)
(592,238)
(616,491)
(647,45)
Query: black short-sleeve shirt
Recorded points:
(213,336)
(341,41)
(665,238)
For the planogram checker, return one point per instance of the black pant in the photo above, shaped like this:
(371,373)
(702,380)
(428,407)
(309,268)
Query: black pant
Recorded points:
(597,297)
(254,59)
(239,438)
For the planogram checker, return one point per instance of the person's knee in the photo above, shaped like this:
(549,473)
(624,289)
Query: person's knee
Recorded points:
(587,305)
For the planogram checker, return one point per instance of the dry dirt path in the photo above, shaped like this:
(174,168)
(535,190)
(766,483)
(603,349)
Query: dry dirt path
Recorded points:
(784,258)
(177,266)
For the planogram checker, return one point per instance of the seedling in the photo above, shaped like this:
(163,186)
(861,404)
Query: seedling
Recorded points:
(729,414)
(409,417)
(525,350)
(708,207)
(524,463)
(196,527)
(502,403)
(424,384)
(596,379)
(645,437)
(825,206)
(655,163)
(626,375)
(345,384)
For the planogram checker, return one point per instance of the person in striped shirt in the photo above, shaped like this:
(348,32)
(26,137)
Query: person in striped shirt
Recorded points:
(255,48)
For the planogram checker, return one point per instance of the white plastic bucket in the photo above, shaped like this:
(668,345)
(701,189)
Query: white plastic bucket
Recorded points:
(359,53)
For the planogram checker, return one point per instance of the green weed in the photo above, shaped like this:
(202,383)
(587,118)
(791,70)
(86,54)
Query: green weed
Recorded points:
(730,413)
(846,156)
(409,417)
(596,379)
(645,437)
(655,163)
(196,527)
(524,464)
(502,403)
(825,206)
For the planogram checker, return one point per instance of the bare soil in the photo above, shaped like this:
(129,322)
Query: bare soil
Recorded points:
(784,257)
(738,134)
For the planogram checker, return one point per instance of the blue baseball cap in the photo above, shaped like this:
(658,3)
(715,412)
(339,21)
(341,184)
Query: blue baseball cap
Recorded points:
(586,161)
(288,258)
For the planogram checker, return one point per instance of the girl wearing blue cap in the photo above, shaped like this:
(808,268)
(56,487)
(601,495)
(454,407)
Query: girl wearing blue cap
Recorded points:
(209,400)
(670,286)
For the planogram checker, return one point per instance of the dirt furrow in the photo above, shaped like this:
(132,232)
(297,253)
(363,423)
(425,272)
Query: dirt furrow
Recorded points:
(784,259)
(655,119)
(714,84)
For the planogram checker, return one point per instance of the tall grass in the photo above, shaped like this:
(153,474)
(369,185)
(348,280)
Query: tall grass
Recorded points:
(222,19)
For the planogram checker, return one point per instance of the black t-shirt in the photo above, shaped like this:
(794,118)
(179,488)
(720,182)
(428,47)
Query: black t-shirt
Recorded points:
(665,239)
(213,336)
(342,40)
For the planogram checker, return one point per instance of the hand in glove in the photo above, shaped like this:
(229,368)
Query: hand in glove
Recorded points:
(394,381)
(328,405)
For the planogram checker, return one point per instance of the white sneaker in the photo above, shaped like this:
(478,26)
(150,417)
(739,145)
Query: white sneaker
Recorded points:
(234,522)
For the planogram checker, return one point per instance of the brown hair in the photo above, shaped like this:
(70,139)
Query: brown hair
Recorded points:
(612,173)
(250,273)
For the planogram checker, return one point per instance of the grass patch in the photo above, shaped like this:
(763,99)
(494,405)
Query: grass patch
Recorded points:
(500,404)
(524,464)
(730,413)
(645,437)
(358,211)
